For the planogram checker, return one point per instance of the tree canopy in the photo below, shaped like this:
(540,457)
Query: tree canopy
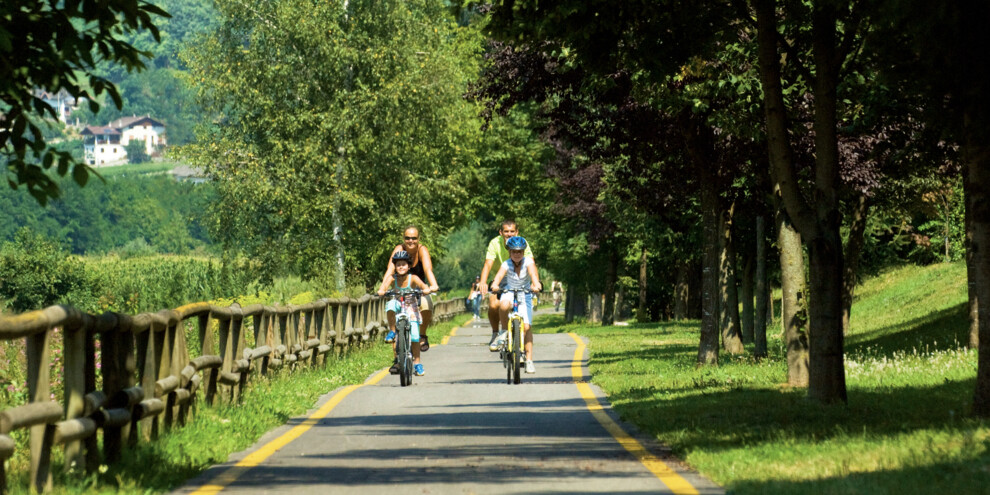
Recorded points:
(56,45)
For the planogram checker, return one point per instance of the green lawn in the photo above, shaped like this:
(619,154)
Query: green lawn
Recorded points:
(906,428)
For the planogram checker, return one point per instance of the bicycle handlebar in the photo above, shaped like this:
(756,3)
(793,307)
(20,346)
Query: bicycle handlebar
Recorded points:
(402,292)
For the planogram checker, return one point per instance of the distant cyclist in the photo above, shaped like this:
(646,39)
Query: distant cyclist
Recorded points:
(404,280)
(558,294)
(421,265)
(520,273)
(495,256)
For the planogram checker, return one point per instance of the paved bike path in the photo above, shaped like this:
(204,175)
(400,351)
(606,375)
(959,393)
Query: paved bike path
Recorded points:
(459,429)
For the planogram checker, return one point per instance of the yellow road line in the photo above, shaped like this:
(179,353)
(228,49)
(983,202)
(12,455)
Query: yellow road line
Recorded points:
(446,338)
(661,470)
(230,475)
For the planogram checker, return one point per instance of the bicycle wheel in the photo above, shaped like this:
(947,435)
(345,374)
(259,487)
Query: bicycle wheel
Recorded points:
(508,357)
(516,350)
(402,352)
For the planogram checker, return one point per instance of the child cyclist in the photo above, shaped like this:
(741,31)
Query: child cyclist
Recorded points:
(402,279)
(519,272)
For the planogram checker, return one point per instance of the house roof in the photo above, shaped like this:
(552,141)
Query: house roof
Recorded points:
(100,130)
(125,122)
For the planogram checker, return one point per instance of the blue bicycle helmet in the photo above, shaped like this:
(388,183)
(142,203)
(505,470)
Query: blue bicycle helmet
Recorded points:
(401,255)
(515,242)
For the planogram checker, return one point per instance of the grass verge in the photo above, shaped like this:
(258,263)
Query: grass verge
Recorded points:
(906,428)
(216,432)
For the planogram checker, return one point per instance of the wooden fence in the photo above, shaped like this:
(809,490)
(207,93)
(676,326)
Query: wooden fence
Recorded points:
(149,379)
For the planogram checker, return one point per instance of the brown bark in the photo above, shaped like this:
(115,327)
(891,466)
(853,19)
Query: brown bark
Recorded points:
(682,291)
(728,292)
(746,317)
(827,379)
(595,313)
(762,294)
(793,314)
(976,154)
(819,221)
(697,141)
(974,313)
(641,313)
(611,275)
(854,246)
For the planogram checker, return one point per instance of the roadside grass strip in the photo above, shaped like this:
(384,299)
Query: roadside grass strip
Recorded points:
(229,476)
(660,469)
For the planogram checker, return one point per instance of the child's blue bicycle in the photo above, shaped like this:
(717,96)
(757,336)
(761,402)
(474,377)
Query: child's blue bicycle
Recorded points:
(403,334)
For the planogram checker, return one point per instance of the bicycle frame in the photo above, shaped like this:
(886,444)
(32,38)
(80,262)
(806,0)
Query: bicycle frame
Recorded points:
(511,352)
(403,335)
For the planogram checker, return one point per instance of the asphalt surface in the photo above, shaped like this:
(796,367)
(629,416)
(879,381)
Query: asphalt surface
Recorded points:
(461,429)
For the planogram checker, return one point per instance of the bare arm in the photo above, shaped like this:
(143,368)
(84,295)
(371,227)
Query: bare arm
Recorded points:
(534,275)
(419,284)
(385,283)
(484,275)
(424,258)
(498,276)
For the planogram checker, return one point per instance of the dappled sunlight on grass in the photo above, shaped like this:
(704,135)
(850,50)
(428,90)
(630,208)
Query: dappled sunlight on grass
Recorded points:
(906,428)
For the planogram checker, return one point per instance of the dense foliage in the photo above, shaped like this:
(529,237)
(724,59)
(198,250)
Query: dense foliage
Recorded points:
(347,119)
(58,45)
(108,215)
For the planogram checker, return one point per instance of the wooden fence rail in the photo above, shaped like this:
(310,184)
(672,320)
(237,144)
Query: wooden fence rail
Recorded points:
(149,379)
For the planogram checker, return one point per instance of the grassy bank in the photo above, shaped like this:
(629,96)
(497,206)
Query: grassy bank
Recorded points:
(216,432)
(906,428)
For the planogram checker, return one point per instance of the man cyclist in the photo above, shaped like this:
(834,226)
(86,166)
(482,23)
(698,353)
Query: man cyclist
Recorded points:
(519,273)
(496,255)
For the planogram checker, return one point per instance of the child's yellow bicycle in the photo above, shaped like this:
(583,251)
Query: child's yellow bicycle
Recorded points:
(511,351)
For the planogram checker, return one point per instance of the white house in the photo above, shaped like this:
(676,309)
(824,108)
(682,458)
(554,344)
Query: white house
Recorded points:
(104,145)
(63,103)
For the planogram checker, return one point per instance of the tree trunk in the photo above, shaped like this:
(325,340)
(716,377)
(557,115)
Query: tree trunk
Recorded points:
(974,313)
(747,318)
(682,291)
(642,315)
(793,314)
(854,246)
(827,378)
(570,303)
(697,146)
(817,221)
(611,275)
(762,294)
(976,155)
(620,295)
(728,292)
(595,315)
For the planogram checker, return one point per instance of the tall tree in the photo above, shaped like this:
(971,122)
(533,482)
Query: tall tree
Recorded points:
(346,118)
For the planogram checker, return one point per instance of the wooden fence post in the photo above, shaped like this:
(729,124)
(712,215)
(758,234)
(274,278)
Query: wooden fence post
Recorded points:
(75,377)
(42,435)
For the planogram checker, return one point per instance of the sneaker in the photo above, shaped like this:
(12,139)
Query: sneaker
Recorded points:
(395,367)
(418,369)
(529,367)
(500,341)
(493,344)
(390,337)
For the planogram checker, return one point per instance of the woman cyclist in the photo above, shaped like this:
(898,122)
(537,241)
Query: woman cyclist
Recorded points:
(520,274)
(420,265)
(404,280)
